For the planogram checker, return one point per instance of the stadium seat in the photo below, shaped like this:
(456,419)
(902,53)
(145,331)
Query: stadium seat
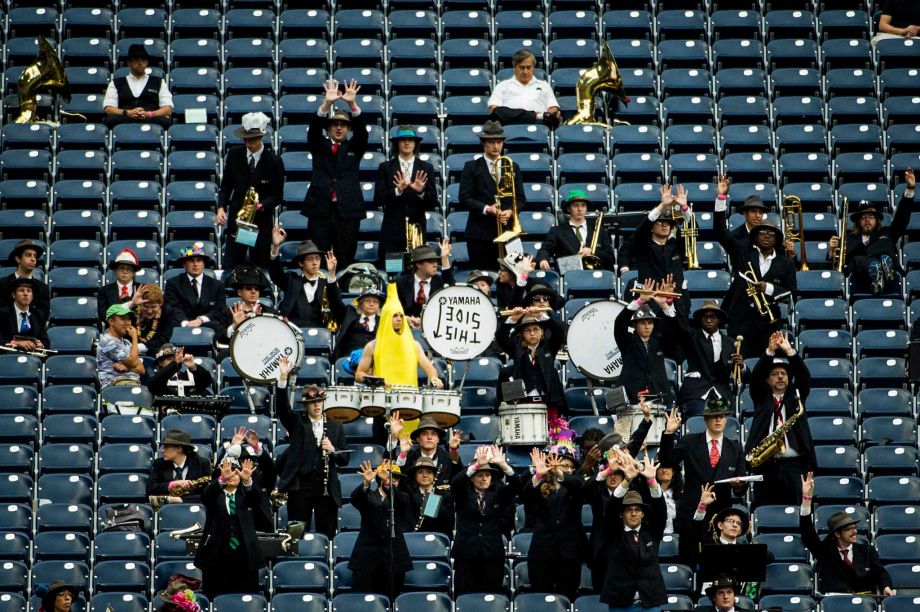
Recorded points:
(346,602)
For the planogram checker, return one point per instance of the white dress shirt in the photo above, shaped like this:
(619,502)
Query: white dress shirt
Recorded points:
(536,96)
(136,85)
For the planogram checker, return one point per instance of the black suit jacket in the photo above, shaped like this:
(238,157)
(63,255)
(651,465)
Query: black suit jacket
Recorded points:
(182,303)
(693,453)
(800,434)
(339,172)
(412,518)
(292,283)
(9,325)
(882,242)
(268,181)
(477,190)
(345,339)
(372,548)
(698,351)
(480,535)
(249,504)
(304,450)
(405,289)
(866,574)
(629,572)
(656,262)
(562,241)
(737,304)
(162,474)
(108,295)
(447,469)
(553,338)
(557,529)
(408,204)
(643,370)
(41,301)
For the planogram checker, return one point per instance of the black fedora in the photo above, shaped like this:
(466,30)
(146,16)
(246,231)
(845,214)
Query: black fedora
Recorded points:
(138,51)
(767,226)
(866,207)
(178,437)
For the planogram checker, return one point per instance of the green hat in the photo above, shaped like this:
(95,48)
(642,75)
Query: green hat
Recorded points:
(117,310)
(576,195)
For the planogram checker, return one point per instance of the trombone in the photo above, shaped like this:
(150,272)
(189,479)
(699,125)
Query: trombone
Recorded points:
(504,188)
(795,225)
(758,297)
(592,261)
(838,261)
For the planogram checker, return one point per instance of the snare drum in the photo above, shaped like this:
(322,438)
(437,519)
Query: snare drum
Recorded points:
(629,419)
(406,399)
(442,406)
(523,424)
(258,345)
(343,404)
(373,401)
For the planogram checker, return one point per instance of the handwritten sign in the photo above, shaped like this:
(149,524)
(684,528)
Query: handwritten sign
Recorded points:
(459,323)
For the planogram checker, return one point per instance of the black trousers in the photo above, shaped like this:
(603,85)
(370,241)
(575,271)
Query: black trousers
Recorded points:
(236,253)
(379,581)
(782,483)
(338,234)
(110,121)
(478,575)
(305,505)
(483,254)
(232,576)
(554,575)
(598,567)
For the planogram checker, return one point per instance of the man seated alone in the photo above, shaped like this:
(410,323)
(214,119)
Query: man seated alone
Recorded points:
(523,99)
(137,97)
(117,359)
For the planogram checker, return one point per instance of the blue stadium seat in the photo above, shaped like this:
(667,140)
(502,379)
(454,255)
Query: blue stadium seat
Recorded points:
(120,576)
(16,517)
(64,517)
(306,602)
(788,578)
(785,547)
(240,602)
(127,602)
(890,461)
(129,429)
(65,458)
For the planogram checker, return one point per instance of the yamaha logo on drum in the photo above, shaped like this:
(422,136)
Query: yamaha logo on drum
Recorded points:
(460,323)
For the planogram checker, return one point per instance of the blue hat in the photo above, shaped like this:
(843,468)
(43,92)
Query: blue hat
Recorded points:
(406,131)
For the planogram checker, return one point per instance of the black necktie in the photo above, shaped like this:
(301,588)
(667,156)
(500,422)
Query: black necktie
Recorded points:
(481,502)
(195,289)
(177,472)
(252,163)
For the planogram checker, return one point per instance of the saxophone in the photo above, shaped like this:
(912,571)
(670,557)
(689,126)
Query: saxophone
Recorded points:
(774,444)
(157,501)
(592,261)
(246,230)
(329,321)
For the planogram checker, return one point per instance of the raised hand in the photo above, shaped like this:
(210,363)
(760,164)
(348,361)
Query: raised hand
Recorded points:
(666,196)
(226,470)
(252,437)
(673,422)
(284,368)
(808,487)
(482,456)
(239,435)
(351,92)
(400,181)
(278,235)
(405,445)
(681,197)
(456,436)
(331,263)
(591,458)
(775,339)
(447,249)
(247,467)
(909,180)
(629,466)
(421,179)
(649,468)
(784,343)
(367,472)
(498,457)
(331,88)
(538,458)
(724,184)
(396,424)
(707,494)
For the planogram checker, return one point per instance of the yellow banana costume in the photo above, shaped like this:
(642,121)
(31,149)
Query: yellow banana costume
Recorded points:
(395,353)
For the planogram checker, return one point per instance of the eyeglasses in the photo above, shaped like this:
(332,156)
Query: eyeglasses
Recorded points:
(541,298)
(250,288)
(735,522)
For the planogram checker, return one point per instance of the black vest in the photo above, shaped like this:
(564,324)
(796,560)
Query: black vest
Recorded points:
(307,314)
(532,375)
(149,98)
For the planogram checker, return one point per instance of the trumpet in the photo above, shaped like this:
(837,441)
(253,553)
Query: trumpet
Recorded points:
(414,236)
(648,293)
(758,297)
(840,256)
(504,188)
(329,321)
(592,261)
(795,225)
(736,373)
(689,231)
(507,312)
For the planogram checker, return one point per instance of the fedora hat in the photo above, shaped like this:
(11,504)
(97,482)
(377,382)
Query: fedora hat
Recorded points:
(866,207)
(667,216)
(709,306)
(753,202)
(767,226)
(247,274)
(53,589)
(307,247)
(479,275)
(716,407)
(167,350)
(24,280)
(839,520)
(576,195)
(177,437)
(781,362)
(127,257)
(22,245)
(530,320)
(645,313)
(310,394)
(421,463)
(427,423)
(424,253)
(634,498)
(194,250)
(555,300)
(253,126)
(492,130)
(405,131)
(724,513)
(722,582)
(339,115)
(371,292)
(176,586)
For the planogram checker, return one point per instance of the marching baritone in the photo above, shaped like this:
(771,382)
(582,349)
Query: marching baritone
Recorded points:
(779,388)
(309,470)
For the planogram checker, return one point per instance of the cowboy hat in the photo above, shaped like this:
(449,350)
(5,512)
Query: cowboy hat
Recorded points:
(253,126)
(127,257)
(426,423)
(22,245)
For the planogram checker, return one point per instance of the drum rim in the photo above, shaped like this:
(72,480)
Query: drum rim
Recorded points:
(463,288)
(569,351)
(298,336)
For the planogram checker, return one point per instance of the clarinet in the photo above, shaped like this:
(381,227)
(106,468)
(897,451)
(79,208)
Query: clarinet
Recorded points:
(421,511)
(325,459)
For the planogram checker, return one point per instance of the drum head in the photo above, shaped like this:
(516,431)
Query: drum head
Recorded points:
(459,323)
(259,344)
(342,414)
(443,419)
(591,345)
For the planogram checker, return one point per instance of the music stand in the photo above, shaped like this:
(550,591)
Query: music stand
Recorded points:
(744,562)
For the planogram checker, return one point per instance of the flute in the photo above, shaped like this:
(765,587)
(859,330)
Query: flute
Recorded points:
(736,374)
(652,293)
(507,312)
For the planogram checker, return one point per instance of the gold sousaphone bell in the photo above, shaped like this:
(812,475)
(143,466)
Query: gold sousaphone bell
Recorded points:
(46,72)
(602,76)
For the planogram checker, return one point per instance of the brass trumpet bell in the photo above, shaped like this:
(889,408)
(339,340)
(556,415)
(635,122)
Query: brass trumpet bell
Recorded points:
(602,76)
(46,72)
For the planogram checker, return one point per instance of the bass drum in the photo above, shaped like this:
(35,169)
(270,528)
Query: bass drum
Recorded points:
(592,347)
(259,344)
(459,323)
